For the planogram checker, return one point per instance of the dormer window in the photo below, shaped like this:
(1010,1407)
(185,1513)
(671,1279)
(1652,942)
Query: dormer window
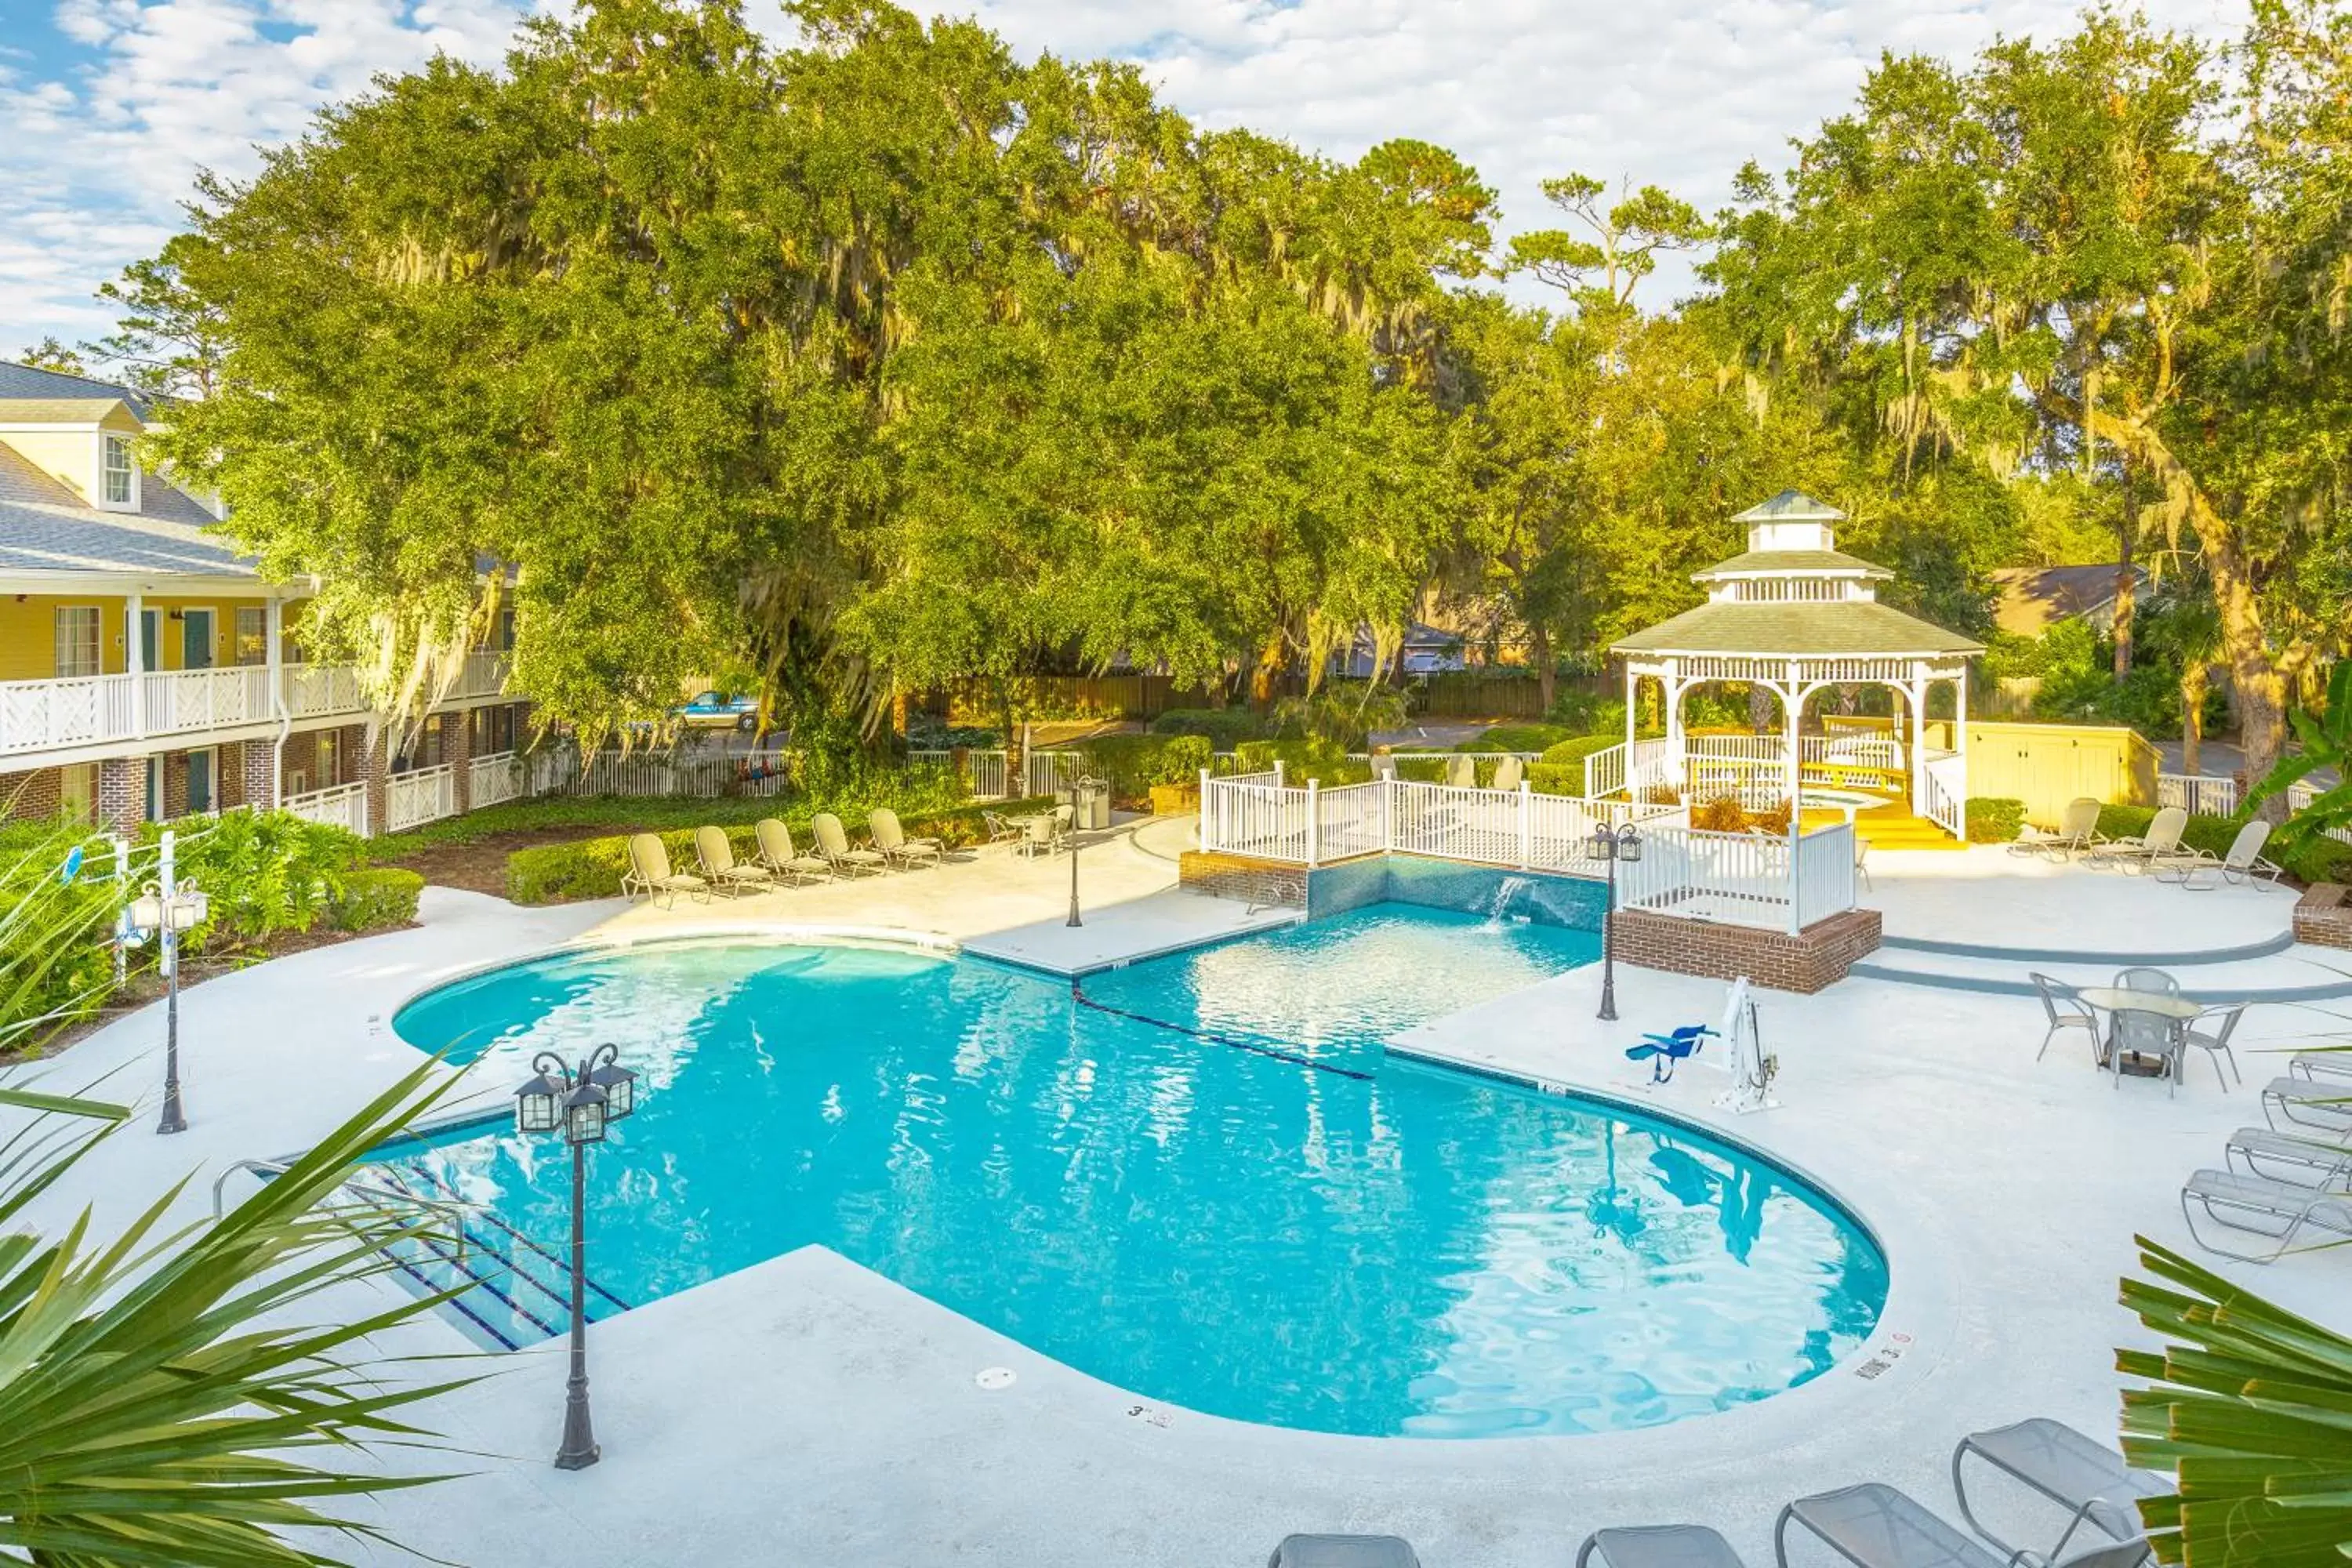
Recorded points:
(118,474)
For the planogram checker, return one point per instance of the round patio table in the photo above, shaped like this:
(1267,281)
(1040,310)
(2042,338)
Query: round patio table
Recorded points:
(2114,999)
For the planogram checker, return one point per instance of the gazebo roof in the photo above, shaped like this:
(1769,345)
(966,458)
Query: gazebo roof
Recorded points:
(1798,629)
(1810,562)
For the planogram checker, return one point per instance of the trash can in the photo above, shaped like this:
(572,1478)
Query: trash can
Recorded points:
(1089,800)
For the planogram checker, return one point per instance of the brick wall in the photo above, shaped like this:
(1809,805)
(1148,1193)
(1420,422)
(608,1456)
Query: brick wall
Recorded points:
(123,794)
(1814,960)
(31,794)
(175,785)
(228,775)
(2321,916)
(257,770)
(375,767)
(457,751)
(1266,883)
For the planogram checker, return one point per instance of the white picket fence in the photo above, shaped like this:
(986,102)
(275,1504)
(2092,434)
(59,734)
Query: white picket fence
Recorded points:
(420,796)
(1781,883)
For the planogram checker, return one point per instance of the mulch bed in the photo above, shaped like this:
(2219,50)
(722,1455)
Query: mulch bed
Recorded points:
(479,865)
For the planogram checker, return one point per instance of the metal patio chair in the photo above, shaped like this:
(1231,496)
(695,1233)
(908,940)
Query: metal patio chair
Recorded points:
(2065,1010)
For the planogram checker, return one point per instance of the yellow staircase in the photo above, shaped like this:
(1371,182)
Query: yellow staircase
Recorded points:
(1892,827)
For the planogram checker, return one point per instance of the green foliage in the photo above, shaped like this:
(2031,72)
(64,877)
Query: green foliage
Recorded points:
(1516,738)
(1322,760)
(1131,764)
(178,1397)
(1225,727)
(265,872)
(377,898)
(2327,743)
(1342,713)
(592,868)
(1582,712)
(1994,819)
(1561,769)
(55,962)
(2244,1404)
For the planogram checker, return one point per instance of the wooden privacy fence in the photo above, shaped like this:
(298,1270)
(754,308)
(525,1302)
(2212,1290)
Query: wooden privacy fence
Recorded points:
(1076,697)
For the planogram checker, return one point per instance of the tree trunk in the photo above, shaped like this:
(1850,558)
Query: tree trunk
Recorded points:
(1269,665)
(899,711)
(1547,674)
(2253,674)
(2126,583)
(2192,715)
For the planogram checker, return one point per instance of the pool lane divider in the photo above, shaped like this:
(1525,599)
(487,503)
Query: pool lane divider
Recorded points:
(1079,995)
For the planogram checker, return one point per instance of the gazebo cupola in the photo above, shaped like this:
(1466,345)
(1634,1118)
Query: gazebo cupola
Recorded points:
(1795,615)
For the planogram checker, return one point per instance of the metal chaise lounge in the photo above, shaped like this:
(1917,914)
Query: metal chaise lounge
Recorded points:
(2144,850)
(1343,1551)
(2074,1471)
(832,844)
(2278,1211)
(2078,826)
(897,847)
(2201,872)
(650,875)
(781,858)
(2297,1157)
(1657,1546)
(719,868)
(1875,1526)
(2316,1094)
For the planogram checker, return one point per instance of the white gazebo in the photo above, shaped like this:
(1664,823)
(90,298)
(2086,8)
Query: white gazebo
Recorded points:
(1796,617)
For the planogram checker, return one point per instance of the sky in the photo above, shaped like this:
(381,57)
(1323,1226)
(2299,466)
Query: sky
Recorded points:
(108,107)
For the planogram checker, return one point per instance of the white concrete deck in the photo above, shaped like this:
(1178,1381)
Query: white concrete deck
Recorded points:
(807,1412)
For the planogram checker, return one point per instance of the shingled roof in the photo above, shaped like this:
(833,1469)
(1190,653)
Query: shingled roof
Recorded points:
(1800,629)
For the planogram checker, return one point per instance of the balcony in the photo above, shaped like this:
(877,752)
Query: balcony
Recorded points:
(80,711)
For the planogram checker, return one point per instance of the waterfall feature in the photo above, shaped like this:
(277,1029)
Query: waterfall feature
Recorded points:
(1511,888)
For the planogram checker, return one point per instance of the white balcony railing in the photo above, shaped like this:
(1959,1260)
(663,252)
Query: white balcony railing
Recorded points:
(83,711)
(339,806)
(492,779)
(420,796)
(313,690)
(191,699)
(484,675)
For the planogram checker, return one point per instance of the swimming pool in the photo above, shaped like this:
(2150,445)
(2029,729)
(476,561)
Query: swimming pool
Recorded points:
(1196,1178)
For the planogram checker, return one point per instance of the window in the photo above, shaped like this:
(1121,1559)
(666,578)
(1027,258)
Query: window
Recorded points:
(120,476)
(330,758)
(76,639)
(252,636)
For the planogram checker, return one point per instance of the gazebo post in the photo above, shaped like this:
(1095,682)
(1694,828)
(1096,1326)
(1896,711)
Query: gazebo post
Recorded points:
(1918,736)
(1792,767)
(1633,698)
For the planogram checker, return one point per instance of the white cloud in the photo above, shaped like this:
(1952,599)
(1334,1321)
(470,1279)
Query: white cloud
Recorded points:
(1680,92)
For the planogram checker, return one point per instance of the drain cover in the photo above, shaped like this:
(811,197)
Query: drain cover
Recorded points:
(995,1377)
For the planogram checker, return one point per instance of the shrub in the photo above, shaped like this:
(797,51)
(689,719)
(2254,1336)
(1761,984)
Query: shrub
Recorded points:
(1324,763)
(592,868)
(1517,738)
(265,871)
(1772,820)
(1995,820)
(1224,728)
(1721,814)
(1131,764)
(377,899)
(1561,771)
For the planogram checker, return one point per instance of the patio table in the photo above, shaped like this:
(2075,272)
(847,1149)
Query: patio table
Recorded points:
(2114,999)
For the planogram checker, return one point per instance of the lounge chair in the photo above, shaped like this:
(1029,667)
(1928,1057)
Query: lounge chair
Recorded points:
(1461,773)
(2078,826)
(896,847)
(2142,851)
(650,875)
(2065,1011)
(2077,1473)
(1508,772)
(2299,1158)
(2200,872)
(1343,1551)
(2215,1042)
(1875,1526)
(1657,1546)
(719,868)
(2316,1094)
(2279,1211)
(778,853)
(832,844)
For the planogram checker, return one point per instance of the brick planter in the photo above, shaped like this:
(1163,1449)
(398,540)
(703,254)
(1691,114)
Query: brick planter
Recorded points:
(2323,916)
(1814,960)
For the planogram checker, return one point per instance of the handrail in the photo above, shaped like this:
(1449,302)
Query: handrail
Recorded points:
(453,1210)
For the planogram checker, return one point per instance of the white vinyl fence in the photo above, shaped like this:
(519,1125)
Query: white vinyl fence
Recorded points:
(1779,882)
(420,796)
(2200,794)
(492,779)
(339,806)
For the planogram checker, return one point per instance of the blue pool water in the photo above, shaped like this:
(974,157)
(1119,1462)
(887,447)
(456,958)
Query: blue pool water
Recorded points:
(1199,1220)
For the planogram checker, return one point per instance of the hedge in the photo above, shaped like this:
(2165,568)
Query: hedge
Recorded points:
(377,899)
(1561,769)
(1225,727)
(1303,760)
(1995,820)
(1131,764)
(1517,738)
(592,868)
(2319,860)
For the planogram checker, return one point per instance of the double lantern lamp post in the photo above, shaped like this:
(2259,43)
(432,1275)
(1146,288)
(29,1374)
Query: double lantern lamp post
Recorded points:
(1612,845)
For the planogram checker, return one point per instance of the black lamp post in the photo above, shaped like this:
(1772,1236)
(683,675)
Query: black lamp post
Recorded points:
(164,909)
(1612,845)
(581,1104)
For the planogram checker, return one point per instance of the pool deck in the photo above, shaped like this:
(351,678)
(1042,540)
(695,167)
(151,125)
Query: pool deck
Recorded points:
(806,1411)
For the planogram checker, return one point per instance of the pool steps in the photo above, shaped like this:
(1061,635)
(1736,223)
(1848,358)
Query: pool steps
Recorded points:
(2250,972)
(521,1271)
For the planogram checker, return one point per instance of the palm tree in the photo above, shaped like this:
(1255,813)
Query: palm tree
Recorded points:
(2250,1407)
(161,1403)
(2324,742)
